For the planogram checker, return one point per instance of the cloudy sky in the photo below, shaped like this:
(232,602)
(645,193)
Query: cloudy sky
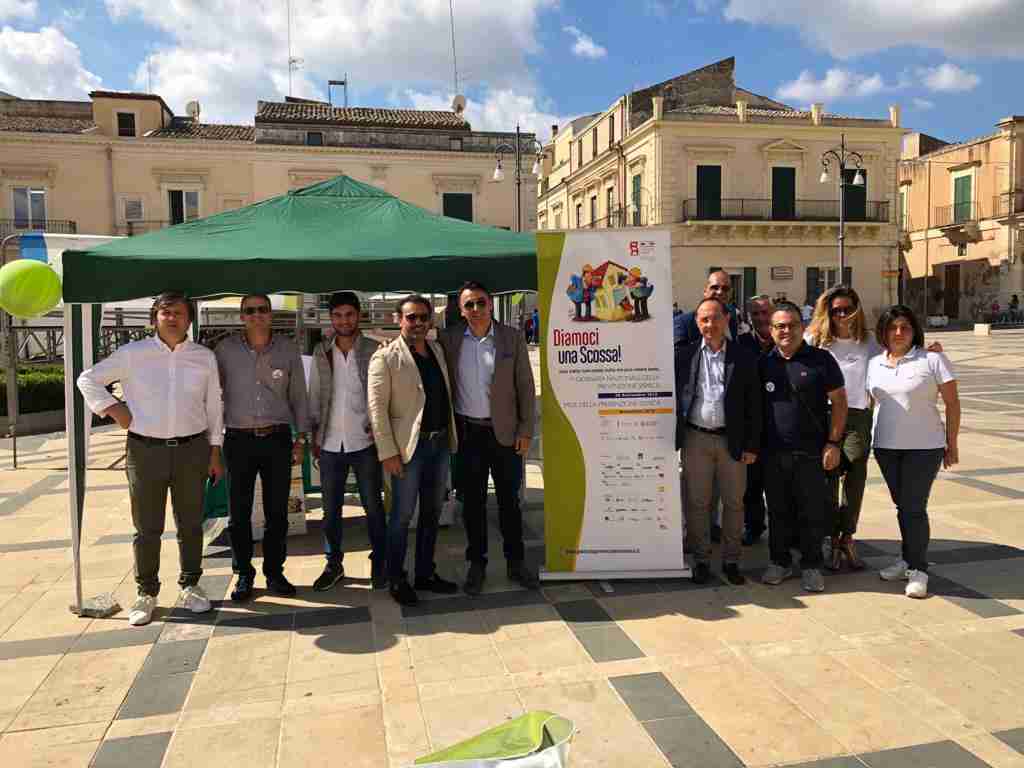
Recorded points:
(954,65)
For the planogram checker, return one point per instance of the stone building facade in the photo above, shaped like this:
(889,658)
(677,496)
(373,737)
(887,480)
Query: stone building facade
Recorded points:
(734,176)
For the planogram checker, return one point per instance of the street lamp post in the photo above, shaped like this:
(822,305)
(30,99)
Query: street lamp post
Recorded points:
(521,147)
(841,156)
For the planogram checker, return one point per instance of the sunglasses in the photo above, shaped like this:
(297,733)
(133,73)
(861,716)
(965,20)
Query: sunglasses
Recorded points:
(412,317)
(842,311)
(787,326)
(478,304)
(262,309)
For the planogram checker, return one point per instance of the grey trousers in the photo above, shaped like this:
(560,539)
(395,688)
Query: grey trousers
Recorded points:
(708,464)
(152,471)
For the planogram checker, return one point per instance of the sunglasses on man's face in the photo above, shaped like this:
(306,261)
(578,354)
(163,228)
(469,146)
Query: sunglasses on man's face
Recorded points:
(412,317)
(477,304)
(262,309)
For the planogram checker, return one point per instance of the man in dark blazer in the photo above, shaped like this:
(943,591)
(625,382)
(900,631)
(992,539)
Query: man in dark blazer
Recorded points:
(495,405)
(718,429)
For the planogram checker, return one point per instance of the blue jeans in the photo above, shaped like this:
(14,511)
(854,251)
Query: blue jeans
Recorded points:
(334,469)
(422,479)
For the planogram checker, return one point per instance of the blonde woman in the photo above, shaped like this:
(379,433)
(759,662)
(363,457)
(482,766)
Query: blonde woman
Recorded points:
(838,326)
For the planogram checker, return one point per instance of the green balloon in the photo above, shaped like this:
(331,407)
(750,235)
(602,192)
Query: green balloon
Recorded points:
(28,288)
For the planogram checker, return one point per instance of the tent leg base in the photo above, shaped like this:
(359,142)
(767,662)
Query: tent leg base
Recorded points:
(99,607)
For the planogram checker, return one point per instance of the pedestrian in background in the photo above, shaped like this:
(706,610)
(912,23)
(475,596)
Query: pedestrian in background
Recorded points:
(910,440)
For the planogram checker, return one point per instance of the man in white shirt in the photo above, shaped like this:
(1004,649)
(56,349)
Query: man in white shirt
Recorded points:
(343,439)
(172,411)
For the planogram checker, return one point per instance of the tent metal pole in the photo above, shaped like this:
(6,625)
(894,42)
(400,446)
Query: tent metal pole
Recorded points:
(73,403)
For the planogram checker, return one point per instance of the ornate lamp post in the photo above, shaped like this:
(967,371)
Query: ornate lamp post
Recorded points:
(521,147)
(841,157)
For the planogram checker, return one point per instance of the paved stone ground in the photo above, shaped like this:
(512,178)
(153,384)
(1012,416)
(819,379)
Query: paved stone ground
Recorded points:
(654,673)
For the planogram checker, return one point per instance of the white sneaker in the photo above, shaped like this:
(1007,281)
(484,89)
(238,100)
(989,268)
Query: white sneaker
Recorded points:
(194,599)
(917,584)
(142,612)
(895,572)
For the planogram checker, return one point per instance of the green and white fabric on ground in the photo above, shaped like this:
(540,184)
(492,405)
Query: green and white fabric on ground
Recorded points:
(535,740)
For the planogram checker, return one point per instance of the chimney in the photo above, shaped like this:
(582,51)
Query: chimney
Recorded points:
(894,115)
(554,130)
(817,111)
(659,106)
(741,110)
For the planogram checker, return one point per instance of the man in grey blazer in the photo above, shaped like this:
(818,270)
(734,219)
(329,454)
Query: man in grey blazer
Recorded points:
(343,439)
(493,393)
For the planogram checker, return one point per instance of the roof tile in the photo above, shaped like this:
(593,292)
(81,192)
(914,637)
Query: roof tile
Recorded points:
(280,112)
(42,124)
(187,129)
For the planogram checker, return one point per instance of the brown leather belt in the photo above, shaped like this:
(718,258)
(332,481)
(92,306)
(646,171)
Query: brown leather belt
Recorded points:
(267,431)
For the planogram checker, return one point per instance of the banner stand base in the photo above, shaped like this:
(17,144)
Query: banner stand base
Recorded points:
(674,573)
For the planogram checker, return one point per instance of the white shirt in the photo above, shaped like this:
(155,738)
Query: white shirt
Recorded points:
(708,409)
(171,393)
(348,417)
(906,399)
(853,357)
(476,372)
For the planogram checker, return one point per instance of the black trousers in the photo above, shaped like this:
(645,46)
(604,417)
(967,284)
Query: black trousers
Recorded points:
(753,499)
(269,457)
(794,485)
(909,475)
(480,455)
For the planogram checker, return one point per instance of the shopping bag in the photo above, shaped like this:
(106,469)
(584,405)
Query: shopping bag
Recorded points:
(215,498)
(535,740)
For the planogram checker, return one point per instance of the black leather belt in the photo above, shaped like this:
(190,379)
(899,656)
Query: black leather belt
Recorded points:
(273,429)
(170,442)
(705,430)
(475,421)
(433,435)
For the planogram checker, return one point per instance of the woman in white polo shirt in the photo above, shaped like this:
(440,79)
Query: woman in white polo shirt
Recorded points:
(910,440)
(839,327)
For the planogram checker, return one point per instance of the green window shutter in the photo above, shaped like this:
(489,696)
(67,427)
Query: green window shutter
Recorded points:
(856,198)
(637,219)
(962,199)
(749,284)
(709,191)
(783,193)
(848,276)
(813,275)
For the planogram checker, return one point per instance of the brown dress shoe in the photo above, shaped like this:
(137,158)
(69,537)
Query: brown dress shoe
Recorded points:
(849,550)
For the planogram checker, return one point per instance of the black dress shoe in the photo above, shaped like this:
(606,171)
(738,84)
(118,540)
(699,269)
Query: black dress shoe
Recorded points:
(701,573)
(732,573)
(279,585)
(332,575)
(403,594)
(474,579)
(242,590)
(436,584)
(517,571)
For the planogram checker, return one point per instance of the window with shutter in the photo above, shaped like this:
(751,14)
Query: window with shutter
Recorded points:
(962,199)
(133,209)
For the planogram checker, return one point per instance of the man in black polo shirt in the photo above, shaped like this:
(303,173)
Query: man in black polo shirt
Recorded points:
(800,443)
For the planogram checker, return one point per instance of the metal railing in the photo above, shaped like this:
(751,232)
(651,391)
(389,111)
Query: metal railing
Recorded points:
(760,209)
(958,213)
(141,227)
(1008,204)
(53,226)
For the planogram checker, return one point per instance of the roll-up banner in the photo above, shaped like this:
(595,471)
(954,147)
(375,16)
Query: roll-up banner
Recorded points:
(611,471)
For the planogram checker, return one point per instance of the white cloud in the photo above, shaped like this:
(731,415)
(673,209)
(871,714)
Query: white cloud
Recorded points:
(18,9)
(948,77)
(43,65)
(499,110)
(585,47)
(923,104)
(847,28)
(376,43)
(837,85)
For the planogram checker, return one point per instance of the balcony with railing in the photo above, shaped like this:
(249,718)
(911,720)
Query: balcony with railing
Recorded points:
(958,214)
(51,226)
(1007,204)
(131,228)
(759,209)
(630,217)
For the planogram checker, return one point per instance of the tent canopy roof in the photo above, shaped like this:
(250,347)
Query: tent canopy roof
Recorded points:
(338,234)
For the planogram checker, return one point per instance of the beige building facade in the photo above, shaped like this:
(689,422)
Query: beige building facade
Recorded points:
(735,177)
(961,209)
(124,163)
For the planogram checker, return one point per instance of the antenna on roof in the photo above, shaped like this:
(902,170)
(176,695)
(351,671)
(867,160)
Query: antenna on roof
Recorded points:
(294,62)
(455,62)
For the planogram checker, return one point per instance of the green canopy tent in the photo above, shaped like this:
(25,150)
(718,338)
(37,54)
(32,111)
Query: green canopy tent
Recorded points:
(337,234)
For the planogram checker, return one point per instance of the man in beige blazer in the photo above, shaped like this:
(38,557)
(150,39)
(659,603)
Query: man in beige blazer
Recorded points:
(414,429)
(492,381)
